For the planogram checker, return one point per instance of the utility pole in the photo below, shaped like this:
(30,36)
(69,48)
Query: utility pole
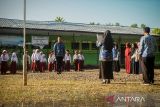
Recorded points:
(24,48)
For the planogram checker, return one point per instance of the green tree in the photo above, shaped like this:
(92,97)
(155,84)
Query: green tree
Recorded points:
(117,24)
(156,31)
(59,19)
(134,25)
(143,25)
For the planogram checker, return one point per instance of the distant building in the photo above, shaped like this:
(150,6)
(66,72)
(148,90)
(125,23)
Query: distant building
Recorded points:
(75,35)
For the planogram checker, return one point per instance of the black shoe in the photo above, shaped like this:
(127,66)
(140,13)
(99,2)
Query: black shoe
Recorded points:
(58,72)
(108,82)
(152,82)
(104,82)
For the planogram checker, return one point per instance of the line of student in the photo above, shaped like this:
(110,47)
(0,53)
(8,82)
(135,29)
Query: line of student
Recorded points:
(38,61)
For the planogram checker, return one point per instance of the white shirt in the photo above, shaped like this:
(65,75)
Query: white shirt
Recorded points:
(75,56)
(4,57)
(43,58)
(37,56)
(80,57)
(50,59)
(14,58)
(67,57)
(136,55)
(33,57)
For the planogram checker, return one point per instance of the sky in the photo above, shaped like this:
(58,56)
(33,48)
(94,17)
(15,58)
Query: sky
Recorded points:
(125,12)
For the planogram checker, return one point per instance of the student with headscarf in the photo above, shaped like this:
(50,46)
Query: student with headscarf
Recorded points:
(14,62)
(128,58)
(105,57)
(37,60)
(4,62)
(81,61)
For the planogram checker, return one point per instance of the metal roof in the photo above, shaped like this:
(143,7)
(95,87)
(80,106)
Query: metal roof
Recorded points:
(67,26)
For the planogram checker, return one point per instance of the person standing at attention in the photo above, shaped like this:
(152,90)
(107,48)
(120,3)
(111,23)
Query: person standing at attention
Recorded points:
(147,51)
(105,57)
(59,49)
(128,58)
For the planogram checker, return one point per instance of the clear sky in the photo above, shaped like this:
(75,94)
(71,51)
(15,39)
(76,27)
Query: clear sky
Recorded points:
(126,12)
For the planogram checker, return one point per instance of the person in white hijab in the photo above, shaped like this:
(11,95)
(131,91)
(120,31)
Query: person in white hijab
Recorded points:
(14,62)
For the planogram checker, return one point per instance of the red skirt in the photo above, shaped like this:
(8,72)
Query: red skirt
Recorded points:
(42,66)
(33,66)
(67,65)
(50,66)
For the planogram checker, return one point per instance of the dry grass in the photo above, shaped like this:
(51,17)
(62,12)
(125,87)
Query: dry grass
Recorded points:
(70,86)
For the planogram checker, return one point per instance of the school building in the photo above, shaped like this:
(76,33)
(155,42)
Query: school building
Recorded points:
(43,34)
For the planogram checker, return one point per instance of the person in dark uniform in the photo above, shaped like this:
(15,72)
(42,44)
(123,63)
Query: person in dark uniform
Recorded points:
(59,49)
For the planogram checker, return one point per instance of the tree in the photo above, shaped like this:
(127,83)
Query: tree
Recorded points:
(59,19)
(143,25)
(156,31)
(117,24)
(134,25)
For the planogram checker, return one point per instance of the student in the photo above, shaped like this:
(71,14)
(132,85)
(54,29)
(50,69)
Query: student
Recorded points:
(14,62)
(81,61)
(135,58)
(147,51)
(37,60)
(128,58)
(67,60)
(4,62)
(75,60)
(116,57)
(50,62)
(43,61)
(33,61)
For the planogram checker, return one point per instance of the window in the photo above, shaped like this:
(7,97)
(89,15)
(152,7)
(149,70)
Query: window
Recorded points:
(75,45)
(85,46)
(94,46)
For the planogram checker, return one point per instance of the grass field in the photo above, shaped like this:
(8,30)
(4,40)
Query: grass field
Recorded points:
(71,88)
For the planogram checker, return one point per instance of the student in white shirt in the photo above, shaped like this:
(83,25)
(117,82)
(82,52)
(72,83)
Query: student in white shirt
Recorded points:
(67,59)
(14,62)
(37,60)
(76,60)
(50,62)
(81,61)
(43,62)
(4,62)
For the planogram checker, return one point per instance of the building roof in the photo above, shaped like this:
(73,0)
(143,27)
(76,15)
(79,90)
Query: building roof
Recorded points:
(67,26)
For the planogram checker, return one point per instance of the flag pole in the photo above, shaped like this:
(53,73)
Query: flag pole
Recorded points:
(24,48)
